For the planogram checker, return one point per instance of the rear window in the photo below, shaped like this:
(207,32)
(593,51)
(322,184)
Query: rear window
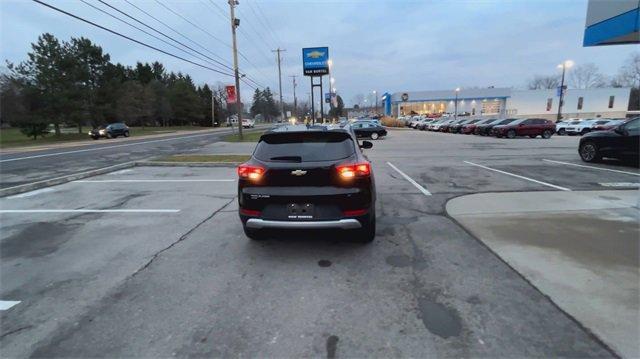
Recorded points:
(304,147)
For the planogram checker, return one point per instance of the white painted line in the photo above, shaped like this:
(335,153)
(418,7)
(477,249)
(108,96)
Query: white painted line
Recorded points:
(6,304)
(107,147)
(65,176)
(518,176)
(153,181)
(418,186)
(620,184)
(89,211)
(120,172)
(593,167)
(32,193)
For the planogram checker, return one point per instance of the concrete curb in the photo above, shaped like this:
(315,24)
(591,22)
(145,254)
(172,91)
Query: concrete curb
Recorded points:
(100,171)
(64,179)
(187,164)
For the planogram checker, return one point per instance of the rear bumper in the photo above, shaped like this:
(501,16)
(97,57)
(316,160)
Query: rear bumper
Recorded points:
(256,223)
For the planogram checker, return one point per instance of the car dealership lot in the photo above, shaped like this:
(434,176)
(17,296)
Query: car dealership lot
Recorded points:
(152,261)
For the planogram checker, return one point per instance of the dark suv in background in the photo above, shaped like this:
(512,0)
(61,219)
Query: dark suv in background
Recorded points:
(308,177)
(110,131)
(621,142)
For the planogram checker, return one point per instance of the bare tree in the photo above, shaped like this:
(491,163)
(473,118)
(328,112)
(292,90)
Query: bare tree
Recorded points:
(629,73)
(540,82)
(357,100)
(586,76)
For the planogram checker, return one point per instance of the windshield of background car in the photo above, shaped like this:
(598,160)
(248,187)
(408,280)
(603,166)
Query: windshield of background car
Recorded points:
(309,146)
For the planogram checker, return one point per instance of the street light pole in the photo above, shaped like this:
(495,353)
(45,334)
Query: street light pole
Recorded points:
(564,65)
(455,115)
(235,23)
(375,94)
(295,99)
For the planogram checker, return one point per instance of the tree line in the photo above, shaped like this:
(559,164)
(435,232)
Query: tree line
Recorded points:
(75,83)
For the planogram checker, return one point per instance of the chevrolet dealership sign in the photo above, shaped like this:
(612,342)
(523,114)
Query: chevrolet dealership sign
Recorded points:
(315,61)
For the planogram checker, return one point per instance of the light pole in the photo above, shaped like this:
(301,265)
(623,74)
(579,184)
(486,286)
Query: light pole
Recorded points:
(455,115)
(564,66)
(235,23)
(375,94)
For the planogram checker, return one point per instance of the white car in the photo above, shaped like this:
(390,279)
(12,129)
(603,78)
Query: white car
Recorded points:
(248,123)
(561,127)
(584,127)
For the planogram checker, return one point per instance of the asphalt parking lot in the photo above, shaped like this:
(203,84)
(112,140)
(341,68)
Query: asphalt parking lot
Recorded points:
(152,261)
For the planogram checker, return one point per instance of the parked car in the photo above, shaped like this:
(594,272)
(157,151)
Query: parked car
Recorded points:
(432,124)
(445,126)
(470,128)
(424,123)
(438,126)
(561,127)
(110,131)
(456,128)
(368,129)
(248,123)
(584,127)
(531,127)
(621,142)
(485,130)
(609,125)
(308,177)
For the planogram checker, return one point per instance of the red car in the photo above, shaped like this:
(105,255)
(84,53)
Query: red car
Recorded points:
(531,127)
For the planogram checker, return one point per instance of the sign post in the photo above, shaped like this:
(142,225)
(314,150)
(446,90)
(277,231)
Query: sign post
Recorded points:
(315,63)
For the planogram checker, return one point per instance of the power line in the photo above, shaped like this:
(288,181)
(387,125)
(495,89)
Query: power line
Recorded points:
(201,29)
(129,38)
(150,34)
(187,38)
(268,24)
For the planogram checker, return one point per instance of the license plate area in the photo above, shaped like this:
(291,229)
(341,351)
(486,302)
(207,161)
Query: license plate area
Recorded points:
(300,211)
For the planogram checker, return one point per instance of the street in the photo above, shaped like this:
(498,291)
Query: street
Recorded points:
(152,261)
(21,167)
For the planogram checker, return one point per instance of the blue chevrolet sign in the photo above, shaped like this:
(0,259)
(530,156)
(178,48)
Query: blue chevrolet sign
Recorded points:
(315,61)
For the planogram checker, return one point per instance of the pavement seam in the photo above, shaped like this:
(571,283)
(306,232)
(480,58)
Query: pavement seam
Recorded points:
(554,304)
(182,238)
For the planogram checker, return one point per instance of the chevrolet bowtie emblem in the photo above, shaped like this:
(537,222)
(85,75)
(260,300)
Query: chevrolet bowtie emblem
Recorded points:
(298,173)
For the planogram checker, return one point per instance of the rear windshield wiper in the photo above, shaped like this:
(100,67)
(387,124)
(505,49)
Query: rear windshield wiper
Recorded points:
(287,158)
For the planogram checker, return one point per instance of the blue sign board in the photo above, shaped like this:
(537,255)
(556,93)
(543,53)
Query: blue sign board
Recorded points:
(315,61)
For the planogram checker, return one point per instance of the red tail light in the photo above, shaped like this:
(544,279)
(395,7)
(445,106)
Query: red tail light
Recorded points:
(249,212)
(362,169)
(354,212)
(250,172)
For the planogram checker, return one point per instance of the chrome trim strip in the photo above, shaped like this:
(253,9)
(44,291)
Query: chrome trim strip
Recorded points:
(256,223)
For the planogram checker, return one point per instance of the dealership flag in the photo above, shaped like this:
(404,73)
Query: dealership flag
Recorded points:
(231,94)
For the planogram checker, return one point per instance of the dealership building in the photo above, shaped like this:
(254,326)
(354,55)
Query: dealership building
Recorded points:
(508,102)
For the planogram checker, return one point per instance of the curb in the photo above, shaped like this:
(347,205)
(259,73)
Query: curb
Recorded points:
(64,179)
(77,176)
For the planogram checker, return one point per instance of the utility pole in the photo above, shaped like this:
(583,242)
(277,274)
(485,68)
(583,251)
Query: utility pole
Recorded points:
(295,99)
(235,23)
(278,51)
(213,110)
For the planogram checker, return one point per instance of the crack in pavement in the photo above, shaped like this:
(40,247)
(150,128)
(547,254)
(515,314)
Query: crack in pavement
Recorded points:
(15,331)
(183,237)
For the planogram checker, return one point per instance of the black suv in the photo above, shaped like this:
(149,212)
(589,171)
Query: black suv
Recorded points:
(110,131)
(308,177)
(621,142)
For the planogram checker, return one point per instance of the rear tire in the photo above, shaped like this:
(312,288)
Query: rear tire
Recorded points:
(367,233)
(589,152)
(584,131)
(374,135)
(126,134)
(254,234)
(562,132)
(511,134)
(546,134)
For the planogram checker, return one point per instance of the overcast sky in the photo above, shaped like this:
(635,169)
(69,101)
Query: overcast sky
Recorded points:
(390,45)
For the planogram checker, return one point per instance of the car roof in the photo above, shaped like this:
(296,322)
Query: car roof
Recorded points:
(308,128)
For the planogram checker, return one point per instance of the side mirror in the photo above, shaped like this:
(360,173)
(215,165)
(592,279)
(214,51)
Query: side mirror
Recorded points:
(366,145)
(520,125)
(621,131)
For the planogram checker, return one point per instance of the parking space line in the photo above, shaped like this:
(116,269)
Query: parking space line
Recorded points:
(6,304)
(153,181)
(592,167)
(418,186)
(89,211)
(518,176)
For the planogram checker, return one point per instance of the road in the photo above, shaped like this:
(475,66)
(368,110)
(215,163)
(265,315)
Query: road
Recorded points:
(153,262)
(25,167)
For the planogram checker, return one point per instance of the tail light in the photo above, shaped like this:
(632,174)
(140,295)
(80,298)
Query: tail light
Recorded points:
(249,212)
(250,172)
(362,169)
(354,212)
